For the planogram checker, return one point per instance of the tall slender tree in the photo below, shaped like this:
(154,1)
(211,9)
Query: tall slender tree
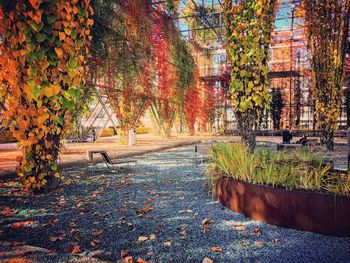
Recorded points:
(248,31)
(327,26)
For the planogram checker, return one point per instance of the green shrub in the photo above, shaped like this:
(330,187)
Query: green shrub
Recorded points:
(299,169)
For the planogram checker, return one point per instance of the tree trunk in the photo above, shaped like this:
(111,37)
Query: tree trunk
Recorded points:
(246,124)
(327,138)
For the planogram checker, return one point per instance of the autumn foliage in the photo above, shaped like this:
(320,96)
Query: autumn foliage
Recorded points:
(43,47)
(207,103)
(192,102)
(165,90)
(124,67)
(327,27)
(248,32)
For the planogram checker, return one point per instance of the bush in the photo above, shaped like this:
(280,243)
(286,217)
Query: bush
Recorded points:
(300,169)
(142,130)
(107,132)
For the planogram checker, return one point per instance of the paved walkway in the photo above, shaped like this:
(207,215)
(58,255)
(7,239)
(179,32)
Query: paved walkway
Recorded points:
(75,154)
(160,211)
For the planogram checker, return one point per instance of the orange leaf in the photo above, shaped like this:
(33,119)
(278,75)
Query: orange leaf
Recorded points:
(18,260)
(35,3)
(90,22)
(59,51)
(259,243)
(216,249)
(141,260)
(7,211)
(20,224)
(62,36)
(76,250)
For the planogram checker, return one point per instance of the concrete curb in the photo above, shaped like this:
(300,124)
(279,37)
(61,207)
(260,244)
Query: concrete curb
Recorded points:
(84,162)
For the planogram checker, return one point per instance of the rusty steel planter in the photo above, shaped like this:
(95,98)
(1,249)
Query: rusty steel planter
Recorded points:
(311,211)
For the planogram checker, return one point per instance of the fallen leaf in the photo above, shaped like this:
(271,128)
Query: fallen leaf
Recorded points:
(244,244)
(73,250)
(54,239)
(240,228)
(22,224)
(7,211)
(144,210)
(181,198)
(256,231)
(167,244)
(142,238)
(148,201)
(185,211)
(152,237)
(216,249)
(96,233)
(276,240)
(207,260)
(141,260)
(259,243)
(206,224)
(128,259)
(76,250)
(18,260)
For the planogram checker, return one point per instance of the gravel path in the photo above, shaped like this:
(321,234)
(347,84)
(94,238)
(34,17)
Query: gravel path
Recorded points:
(164,199)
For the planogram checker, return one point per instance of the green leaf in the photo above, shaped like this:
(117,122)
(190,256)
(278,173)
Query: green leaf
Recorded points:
(72,62)
(40,37)
(54,167)
(51,19)
(51,38)
(60,120)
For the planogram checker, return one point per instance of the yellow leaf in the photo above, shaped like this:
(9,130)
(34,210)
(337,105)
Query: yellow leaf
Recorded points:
(59,51)
(68,31)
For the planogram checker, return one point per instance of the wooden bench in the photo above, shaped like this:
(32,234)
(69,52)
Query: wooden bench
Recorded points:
(107,159)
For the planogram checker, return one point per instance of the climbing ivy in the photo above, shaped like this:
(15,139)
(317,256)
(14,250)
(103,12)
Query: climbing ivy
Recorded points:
(43,50)
(248,31)
(327,26)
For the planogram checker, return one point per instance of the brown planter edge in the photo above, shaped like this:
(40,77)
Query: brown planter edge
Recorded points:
(322,213)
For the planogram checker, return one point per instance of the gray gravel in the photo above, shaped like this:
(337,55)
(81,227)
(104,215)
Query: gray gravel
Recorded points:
(172,184)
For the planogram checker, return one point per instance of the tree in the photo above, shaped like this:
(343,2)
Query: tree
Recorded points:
(327,26)
(248,32)
(43,50)
(276,107)
(165,91)
(122,53)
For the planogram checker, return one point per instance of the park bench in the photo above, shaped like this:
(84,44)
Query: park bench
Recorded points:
(107,159)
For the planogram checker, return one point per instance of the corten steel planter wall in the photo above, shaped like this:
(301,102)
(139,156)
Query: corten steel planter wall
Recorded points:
(311,211)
